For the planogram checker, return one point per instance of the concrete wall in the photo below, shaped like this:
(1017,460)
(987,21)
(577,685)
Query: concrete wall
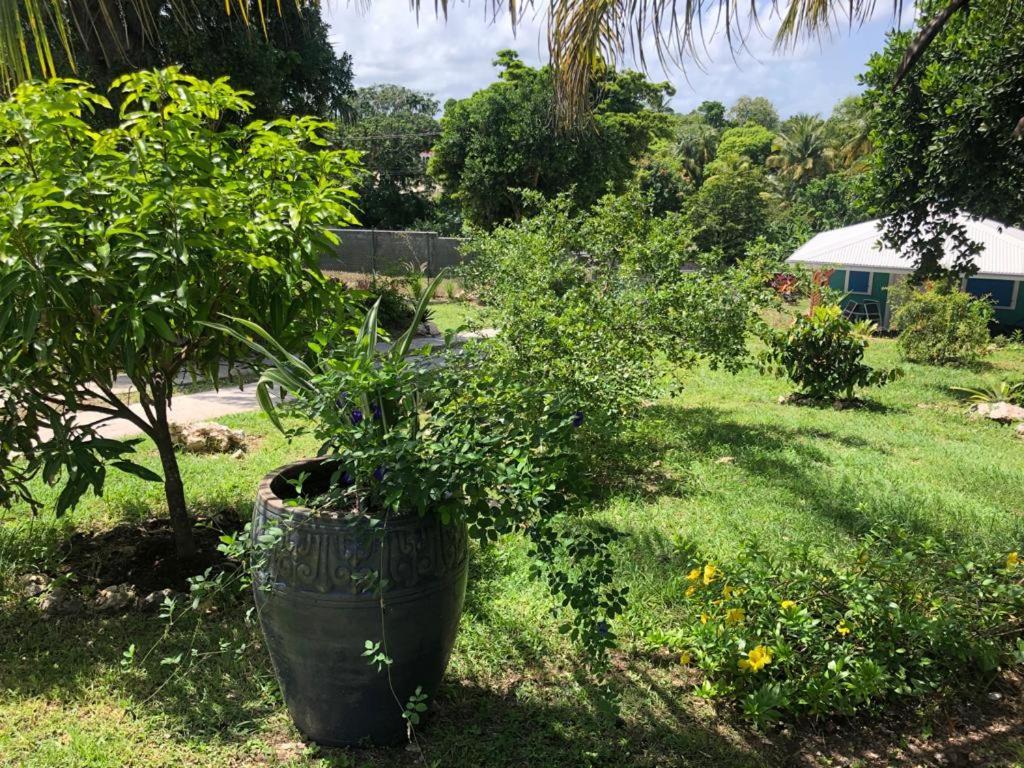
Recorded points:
(388,252)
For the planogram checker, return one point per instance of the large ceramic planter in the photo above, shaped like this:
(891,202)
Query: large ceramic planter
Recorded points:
(318,603)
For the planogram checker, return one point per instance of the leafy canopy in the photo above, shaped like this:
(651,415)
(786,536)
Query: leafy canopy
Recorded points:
(117,244)
(945,141)
(394,127)
(503,138)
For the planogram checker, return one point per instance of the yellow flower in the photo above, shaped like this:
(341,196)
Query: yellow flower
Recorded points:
(727,592)
(693,575)
(756,659)
(788,605)
(842,629)
(685,658)
(734,616)
(1012,560)
(690,590)
(709,573)
(704,618)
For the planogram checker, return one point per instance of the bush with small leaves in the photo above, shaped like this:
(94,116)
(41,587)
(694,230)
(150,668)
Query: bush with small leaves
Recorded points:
(940,324)
(901,618)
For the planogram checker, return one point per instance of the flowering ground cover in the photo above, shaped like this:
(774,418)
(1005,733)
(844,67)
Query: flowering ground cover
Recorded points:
(720,463)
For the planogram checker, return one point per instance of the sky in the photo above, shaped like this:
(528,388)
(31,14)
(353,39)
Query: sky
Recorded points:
(452,58)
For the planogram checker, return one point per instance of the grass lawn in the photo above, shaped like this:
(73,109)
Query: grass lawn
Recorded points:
(720,462)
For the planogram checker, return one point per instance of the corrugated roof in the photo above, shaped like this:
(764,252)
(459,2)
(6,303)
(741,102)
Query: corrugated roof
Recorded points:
(858,246)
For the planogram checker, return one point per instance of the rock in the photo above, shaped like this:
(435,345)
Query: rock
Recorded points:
(60,602)
(725,460)
(239,454)
(114,598)
(33,584)
(1007,413)
(207,437)
(151,603)
(979,409)
(1020,431)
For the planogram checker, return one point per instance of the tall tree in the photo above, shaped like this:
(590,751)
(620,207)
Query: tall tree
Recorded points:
(293,70)
(946,142)
(801,150)
(728,211)
(849,131)
(503,139)
(394,127)
(754,109)
(712,113)
(752,141)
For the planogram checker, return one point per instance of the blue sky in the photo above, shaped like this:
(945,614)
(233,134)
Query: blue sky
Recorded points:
(453,58)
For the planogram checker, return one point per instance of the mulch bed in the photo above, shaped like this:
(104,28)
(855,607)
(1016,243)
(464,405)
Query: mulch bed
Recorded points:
(141,554)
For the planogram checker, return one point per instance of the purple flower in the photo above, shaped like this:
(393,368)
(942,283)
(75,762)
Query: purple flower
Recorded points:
(346,479)
(577,419)
(375,409)
(356,416)
(378,473)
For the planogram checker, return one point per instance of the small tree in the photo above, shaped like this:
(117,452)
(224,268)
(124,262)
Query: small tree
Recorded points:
(116,246)
(824,356)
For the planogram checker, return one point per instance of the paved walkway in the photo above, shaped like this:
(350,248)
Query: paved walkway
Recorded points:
(203,406)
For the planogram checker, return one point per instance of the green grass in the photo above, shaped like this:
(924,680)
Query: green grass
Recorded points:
(449,315)
(514,696)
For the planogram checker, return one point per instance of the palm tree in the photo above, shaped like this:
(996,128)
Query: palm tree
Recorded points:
(695,147)
(582,34)
(801,151)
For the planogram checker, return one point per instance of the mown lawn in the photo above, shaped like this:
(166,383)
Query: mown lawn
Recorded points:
(721,462)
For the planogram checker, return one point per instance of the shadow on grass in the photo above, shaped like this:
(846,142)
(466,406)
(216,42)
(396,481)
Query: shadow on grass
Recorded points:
(777,456)
(528,714)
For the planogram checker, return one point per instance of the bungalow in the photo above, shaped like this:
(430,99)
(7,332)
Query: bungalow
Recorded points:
(864,268)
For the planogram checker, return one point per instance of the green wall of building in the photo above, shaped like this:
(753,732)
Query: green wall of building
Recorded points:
(880,282)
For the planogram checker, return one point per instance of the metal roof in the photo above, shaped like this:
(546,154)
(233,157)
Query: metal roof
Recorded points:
(858,246)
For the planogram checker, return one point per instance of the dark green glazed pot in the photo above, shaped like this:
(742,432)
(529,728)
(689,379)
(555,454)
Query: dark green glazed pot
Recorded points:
(317,607)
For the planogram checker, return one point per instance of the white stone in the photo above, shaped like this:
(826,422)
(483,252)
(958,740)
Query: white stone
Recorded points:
(60,602)
(114,598)
(207,437)
(34,584)
(1006,413)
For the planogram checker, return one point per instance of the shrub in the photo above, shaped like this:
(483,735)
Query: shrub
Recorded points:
(901,617)
(596,305)
(823,354)
(940,324)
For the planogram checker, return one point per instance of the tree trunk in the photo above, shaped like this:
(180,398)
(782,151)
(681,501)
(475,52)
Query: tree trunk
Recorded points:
(181,523)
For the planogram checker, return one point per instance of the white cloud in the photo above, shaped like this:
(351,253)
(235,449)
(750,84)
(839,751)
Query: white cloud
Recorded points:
(452,58)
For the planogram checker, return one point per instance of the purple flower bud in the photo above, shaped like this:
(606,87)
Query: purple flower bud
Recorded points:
(356,416)
(375,409)
(346,479)
(577,419)
(378,473)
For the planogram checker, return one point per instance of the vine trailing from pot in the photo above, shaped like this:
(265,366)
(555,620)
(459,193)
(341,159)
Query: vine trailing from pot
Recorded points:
(443,446)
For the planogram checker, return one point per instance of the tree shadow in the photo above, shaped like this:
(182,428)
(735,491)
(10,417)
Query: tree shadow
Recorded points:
(779,457)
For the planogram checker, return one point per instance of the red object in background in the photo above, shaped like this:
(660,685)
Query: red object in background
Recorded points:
(785,285)
(819,278)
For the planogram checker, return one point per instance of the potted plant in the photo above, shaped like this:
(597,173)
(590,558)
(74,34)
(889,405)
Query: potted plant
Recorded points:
(362,551)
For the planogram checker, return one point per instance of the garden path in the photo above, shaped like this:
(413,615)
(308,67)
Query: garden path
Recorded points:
(211,404)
